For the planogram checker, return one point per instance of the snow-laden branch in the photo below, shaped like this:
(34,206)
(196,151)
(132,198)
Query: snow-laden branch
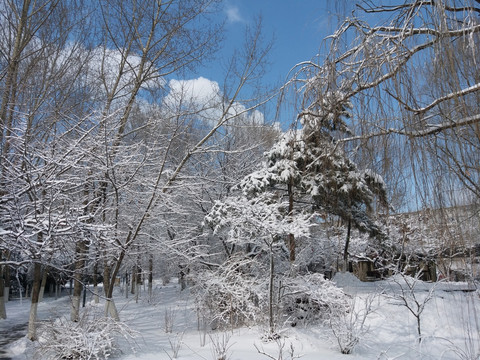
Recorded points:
(394,8)
(430,129)
(225,118)
(426,31)
(395,70)
(452,95)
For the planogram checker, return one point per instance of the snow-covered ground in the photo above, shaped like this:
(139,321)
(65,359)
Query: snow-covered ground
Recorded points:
(450,326)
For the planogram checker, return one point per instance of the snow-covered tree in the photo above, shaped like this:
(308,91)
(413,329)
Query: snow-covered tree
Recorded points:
(410,73)
(43,124)
(91,143)
(306,167)
(256,228)
(313,169)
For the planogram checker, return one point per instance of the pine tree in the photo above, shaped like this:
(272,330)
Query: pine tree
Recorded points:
(314,171)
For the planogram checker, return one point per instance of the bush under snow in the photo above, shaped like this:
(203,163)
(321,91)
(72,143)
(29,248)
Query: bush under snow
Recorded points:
(310,298)
(93,337)
(230,297)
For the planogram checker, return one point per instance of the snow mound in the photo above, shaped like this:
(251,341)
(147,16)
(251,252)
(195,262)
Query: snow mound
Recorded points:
(345,279)
(18,347)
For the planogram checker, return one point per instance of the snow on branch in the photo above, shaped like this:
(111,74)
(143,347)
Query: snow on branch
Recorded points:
(431,129)
(426,31)
(436,128)
(393,8)
(394,71)
(452,95)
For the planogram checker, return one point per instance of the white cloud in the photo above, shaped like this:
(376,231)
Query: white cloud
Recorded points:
(198,91)
(103,72)
(204,98)
(233,14)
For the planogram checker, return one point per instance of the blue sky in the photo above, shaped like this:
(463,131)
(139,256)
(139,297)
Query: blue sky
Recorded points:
(298,27)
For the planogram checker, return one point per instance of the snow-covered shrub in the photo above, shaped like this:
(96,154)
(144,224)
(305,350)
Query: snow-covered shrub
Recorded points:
(93,337)
(169,317)
(230,296)
(202,327)
(176,342)
(349,327)
(310,298)
(283,354)
(220,346)
(405,290)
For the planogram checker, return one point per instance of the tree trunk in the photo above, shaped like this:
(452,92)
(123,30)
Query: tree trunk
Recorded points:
(43,284)
(150,276)
(134,280)
(77,280)
(32,320)
(111,310)
(347,244)
(137,290)
(6,277)
(291,237)
(75,308)
(138,281)
(106,277)
(95,282)
(270,295)
(419,329)
(3,311)
(126,285)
